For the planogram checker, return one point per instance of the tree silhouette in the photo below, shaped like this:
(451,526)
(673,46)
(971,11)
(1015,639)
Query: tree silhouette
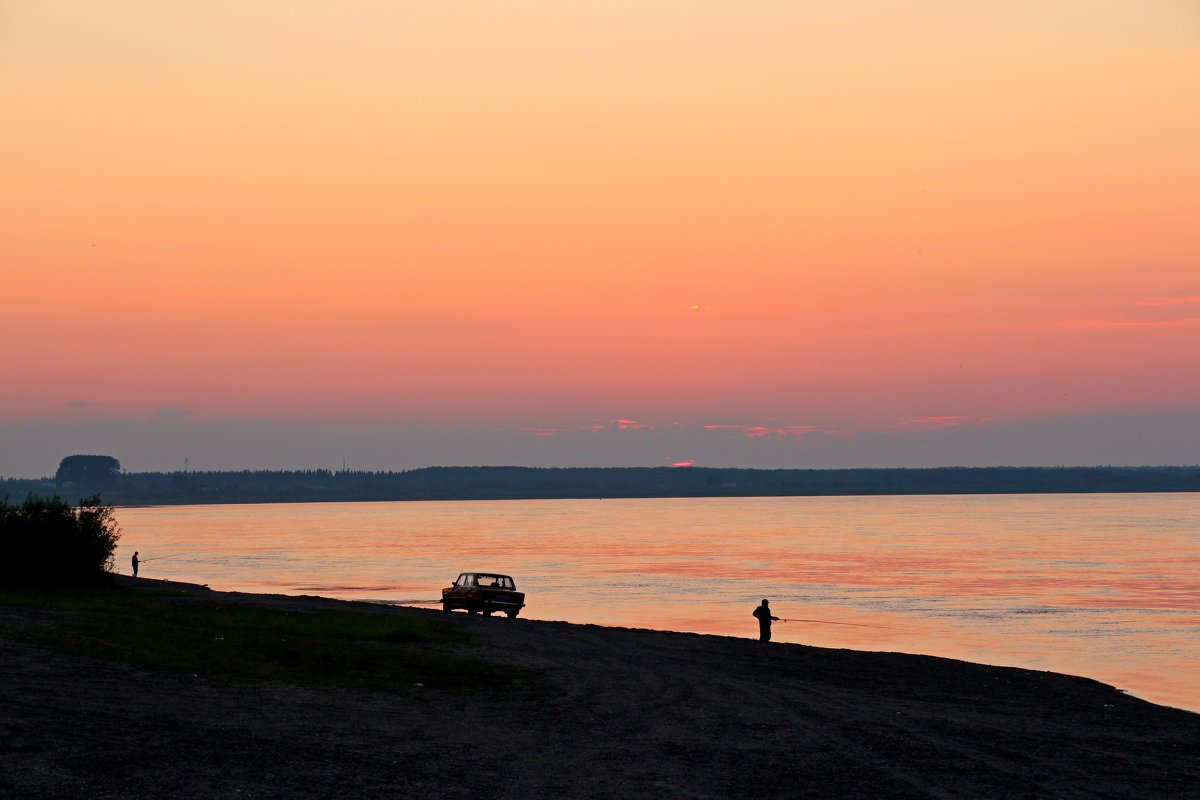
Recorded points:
(48,543)
(92,472)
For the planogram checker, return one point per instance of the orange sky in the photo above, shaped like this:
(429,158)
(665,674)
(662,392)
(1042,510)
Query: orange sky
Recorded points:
(845,216)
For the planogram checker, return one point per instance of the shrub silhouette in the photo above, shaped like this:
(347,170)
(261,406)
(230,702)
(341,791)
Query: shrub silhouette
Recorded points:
(48,543)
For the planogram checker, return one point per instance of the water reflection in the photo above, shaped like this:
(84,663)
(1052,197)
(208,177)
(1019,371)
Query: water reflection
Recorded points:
(1097,585)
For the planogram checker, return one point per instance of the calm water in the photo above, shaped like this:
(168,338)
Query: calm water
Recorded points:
(1106,586)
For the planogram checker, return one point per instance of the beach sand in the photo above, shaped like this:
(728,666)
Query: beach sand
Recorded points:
(603,713)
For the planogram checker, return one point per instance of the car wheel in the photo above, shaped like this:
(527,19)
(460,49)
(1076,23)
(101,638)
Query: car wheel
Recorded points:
(487,612)
(472,610)
(511,614)
(446,607)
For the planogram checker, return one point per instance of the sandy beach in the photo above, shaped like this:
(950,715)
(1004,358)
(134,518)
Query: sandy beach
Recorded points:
(599,712)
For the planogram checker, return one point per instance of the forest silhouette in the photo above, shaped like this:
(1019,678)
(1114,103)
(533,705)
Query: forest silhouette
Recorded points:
(500,483)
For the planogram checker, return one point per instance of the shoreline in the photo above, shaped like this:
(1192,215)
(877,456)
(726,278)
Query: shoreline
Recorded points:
(206,487)
(517,499)
(1165,699)
(604,712)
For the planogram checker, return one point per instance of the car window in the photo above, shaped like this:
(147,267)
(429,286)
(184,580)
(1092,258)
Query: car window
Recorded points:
(471,579)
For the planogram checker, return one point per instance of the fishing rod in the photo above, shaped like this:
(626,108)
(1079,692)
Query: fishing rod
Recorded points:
(827,622)
(158,558)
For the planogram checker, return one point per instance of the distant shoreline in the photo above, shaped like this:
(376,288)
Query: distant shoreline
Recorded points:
(582,483)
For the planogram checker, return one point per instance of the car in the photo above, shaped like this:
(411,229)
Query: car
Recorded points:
(484,592)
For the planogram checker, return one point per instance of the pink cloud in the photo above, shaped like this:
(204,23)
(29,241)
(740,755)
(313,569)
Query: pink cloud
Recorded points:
(684,463)
(1097,324)
(615,425)
(1182,300)
(935,423)
(619,425)
(1155,312)
(542,431)
(761,431)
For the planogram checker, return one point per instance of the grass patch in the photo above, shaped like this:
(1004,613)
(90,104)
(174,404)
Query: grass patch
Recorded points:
(356,649)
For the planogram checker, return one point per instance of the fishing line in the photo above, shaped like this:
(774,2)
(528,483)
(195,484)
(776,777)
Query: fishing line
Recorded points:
(158,558)
(405,602)
(827,622)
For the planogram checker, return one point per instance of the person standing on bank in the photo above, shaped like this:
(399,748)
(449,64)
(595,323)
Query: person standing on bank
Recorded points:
(135,563)
(763,612)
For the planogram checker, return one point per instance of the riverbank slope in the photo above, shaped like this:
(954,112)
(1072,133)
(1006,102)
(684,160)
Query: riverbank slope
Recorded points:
(594,712)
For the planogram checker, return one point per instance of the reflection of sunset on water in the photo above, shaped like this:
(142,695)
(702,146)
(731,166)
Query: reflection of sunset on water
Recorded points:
(1096,585)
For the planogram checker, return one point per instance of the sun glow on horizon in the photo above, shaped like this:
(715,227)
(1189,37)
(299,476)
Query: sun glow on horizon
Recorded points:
(771,223)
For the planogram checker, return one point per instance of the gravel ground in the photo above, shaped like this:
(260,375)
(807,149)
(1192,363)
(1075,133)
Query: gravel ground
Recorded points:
(604,712)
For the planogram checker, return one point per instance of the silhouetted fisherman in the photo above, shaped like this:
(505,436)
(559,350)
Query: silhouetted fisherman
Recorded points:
(763,613)
(135,564)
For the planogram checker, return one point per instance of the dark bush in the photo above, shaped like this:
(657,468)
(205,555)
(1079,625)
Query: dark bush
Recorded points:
(48,543)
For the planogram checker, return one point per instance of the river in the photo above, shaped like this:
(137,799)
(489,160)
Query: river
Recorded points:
(1101,585)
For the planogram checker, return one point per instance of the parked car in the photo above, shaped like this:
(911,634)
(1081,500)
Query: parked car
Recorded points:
(483,592)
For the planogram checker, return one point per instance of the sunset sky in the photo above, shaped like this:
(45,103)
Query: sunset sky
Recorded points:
(753,233)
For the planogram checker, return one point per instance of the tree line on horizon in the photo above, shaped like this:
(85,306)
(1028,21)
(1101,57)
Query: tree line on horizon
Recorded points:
(83,475)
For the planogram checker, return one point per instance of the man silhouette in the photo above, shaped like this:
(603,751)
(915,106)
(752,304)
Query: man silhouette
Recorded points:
(135,563)
(763,612)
